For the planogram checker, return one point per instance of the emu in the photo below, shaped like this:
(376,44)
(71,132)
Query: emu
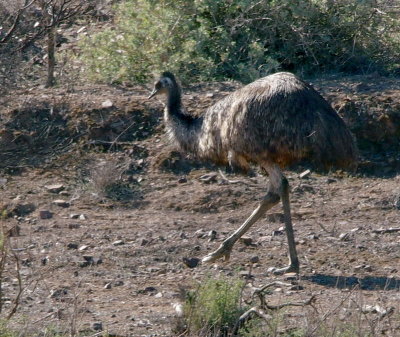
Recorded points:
(272,122)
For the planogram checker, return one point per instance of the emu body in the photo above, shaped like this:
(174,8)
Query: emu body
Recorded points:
(272,122)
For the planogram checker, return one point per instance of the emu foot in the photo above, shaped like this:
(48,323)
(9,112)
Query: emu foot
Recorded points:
(292,268)
(224,251)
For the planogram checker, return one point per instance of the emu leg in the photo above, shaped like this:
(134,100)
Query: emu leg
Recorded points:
(281,185)
(270,200)
(293,258)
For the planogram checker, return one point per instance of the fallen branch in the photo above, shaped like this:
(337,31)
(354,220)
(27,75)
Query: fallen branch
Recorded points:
(261,310)
(386,230)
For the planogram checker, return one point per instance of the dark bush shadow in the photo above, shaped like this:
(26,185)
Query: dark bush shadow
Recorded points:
(348,282)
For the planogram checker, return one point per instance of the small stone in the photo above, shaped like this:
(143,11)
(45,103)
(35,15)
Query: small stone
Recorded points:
(296,287)
(277,232)
(212,234)
(246,275)
(158,295)
(182,180)
(210,95)
(82,217)
(368,268)
(97,326)
(290,277)
(118,243)
(107,104)
(74,216)
(344,237)
(254,259)
(61,203)
(55,188)
(200,233)
(108,286)
(247,241)
(56,293)
(44,214)
(82,248)
(191,262)
(304,174)
(209,178)
(144,242)
(72,246)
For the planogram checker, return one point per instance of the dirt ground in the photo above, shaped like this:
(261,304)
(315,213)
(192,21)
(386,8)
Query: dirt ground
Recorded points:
(114,262)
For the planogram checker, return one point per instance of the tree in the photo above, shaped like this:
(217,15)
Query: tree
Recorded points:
(54,13)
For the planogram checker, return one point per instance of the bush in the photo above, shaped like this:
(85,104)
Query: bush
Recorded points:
(243,39)
(214,308)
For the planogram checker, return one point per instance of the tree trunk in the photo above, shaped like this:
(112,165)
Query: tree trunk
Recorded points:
(51,59)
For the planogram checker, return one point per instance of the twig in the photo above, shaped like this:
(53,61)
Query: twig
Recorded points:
(20,288)
(386,230)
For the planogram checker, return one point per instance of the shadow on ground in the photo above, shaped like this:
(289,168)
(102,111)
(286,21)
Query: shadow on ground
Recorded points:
(364,283)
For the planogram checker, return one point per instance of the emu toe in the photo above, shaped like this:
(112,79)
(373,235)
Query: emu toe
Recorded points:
(224,251)
(289,269)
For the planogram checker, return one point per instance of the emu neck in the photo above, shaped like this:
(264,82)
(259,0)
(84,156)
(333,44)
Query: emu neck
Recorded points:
(182,127)
(174,103)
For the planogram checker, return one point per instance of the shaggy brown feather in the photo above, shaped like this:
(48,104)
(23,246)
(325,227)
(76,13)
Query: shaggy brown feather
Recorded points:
(277,119)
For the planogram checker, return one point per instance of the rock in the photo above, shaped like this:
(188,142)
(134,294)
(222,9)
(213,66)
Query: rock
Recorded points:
(97,326)
(200,233)
(61,203)
(55,188)
(72,245)
(90,261)
(212,234)
(291,277)
(20,209)
(158,295)
(45,214)
(74,216)
(305,174)
(246,275)
(247,241)
(345,237)
(144,242)
(254,259)
(118,243)
(108,286)
(277,232)
(191,262)
(82,248)
(209,178)
(57,293)
(182,180)
(107,104)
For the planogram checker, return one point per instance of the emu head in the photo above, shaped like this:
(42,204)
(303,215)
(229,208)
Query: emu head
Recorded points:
(164,84)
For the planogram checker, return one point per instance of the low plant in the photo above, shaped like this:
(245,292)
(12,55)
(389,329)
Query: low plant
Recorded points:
(106,181)
(213,308)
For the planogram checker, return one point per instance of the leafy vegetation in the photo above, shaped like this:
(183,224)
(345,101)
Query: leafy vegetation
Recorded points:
(243,39)
(213,308)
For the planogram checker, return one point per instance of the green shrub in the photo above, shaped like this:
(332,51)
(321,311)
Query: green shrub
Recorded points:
(243,39)
(213,308)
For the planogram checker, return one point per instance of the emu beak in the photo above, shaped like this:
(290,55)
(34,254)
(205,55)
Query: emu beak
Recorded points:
(153,93)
